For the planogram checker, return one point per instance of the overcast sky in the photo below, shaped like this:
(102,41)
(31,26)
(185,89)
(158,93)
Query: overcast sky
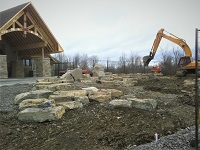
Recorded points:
(108,28)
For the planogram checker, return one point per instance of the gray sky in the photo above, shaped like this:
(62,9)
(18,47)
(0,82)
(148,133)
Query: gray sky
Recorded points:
(108,28)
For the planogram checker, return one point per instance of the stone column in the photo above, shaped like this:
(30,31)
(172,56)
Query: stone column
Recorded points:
(3,66)
(42,67)
(19,69)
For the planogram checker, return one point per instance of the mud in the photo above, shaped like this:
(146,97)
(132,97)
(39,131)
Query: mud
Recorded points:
(100,127)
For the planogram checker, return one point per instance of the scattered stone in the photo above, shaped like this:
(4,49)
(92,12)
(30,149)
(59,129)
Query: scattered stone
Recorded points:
(58,87)
(98,71)
(107,83)
(100,96)
(35,103)
(121,103)
(83,99)
(90,90)
(61,98)
(41,114)
(32,95)
(115,93)
(71,104)
(71,93)
(75,74)
(146,104)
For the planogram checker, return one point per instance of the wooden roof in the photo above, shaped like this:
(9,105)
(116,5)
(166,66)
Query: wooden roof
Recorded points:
(26,32)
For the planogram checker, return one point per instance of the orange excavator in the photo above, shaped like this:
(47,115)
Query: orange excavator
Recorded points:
(186,65)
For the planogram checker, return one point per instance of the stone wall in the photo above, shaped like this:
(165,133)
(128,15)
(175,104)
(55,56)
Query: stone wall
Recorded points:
(19,69)
(3,66)
(42,67)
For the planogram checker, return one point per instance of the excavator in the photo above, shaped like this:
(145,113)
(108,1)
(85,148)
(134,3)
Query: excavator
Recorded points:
(185,65)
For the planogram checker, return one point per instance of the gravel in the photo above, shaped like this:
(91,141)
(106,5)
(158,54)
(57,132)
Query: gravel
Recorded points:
(178,141)
(8,93)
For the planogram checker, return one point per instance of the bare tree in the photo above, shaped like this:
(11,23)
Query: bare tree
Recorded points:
(61,57)
(167,63)
(122,63)
(84,61)
(76,60)
(93,60)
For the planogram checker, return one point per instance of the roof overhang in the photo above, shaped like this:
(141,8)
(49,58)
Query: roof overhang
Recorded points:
(27,33)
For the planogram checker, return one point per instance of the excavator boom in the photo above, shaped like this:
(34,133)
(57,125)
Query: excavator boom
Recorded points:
(173,38)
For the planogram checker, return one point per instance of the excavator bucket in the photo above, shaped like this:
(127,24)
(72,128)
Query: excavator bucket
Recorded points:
(146,60)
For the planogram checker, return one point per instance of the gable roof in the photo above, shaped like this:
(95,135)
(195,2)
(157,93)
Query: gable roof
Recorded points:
(6,15)
(12,21)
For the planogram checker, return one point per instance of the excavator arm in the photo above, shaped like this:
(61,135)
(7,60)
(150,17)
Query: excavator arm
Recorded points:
(172,38)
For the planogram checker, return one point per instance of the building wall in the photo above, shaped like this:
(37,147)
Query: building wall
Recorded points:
(42,67)
(3,66)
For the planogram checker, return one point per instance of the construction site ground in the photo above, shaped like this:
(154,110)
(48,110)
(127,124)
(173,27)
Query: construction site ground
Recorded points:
(98,126)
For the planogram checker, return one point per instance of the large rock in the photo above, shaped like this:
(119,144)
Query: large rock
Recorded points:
(107,83)
(75,74)
(115,93)
(32,95)
(83,99)
(58,87)
(61,98)
(71,93)
(100,96)
(90,90)
(98,71)
(146,104)
(35,103)
(71,104)
(121,103)
(41,114)
(130,81)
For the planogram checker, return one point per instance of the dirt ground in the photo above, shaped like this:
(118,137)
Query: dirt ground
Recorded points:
(101,127)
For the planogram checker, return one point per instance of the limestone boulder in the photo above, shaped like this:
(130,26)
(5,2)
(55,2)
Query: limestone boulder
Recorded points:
(71,93)
(35,103)
(100,96)
(41,114)
(42,80)
(107,83)
(115,93)
(71,104)
(58,87)
(32,95)
(61,98)
(98,71)
(130,81)
(83,99)
(75,74)
(90,90)
(121,103)
(146,104)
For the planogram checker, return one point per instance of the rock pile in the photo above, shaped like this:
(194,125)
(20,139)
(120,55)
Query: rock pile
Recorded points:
(52,97)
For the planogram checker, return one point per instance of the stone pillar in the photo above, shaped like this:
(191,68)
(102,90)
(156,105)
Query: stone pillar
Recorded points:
(19,69)
(42,67)
(3,66)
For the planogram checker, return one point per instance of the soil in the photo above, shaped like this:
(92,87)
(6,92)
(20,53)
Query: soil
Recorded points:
(101,127)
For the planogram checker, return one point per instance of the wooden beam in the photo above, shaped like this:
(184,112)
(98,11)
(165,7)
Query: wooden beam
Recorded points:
(17,22)
(12,20)
(29,46)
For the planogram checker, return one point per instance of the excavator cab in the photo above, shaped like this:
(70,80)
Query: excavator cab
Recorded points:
(184,61)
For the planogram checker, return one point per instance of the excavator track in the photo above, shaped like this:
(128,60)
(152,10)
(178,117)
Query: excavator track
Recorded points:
(181,73)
